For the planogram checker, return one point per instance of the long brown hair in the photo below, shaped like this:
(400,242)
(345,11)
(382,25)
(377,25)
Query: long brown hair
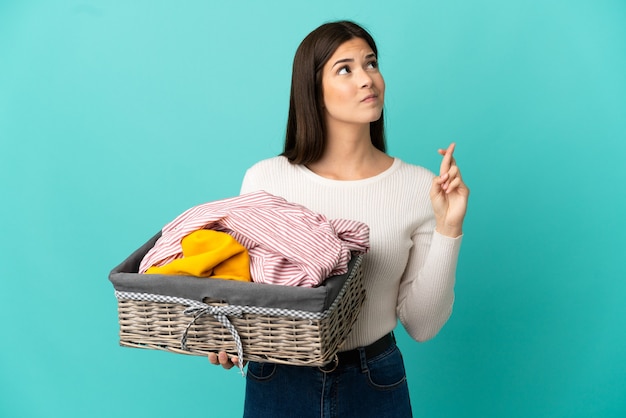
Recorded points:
(306,130)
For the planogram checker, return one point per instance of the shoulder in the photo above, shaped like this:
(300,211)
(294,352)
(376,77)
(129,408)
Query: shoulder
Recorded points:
(271,168)
(415,169)
(270,165)
(413,173)
(268,175)
(410,184)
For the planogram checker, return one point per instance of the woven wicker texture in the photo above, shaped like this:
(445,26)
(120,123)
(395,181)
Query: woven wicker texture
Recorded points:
(265,338)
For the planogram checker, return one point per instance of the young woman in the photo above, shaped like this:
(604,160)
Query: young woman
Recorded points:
(334,163)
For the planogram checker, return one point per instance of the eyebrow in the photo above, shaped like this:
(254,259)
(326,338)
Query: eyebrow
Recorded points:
(341,61)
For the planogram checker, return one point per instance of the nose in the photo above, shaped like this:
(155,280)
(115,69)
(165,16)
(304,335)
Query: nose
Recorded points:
(365,79)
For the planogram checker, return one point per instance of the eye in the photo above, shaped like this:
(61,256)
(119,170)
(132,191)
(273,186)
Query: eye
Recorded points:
(372,64)
(344,70)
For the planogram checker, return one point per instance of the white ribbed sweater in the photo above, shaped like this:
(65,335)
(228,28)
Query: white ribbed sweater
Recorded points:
(409,272)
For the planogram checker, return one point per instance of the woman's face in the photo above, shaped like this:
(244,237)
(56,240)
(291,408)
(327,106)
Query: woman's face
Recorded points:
(353,89)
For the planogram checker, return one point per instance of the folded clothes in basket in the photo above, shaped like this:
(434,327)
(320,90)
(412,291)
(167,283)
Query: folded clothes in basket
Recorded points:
(208,253)
(125,278)
(287,243)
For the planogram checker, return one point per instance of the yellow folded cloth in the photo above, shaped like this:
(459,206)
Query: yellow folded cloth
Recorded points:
(208,253)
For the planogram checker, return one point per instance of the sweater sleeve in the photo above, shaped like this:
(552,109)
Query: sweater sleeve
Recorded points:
(426,293)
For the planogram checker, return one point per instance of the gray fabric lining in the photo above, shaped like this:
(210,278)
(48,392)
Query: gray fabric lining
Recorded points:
(126,278)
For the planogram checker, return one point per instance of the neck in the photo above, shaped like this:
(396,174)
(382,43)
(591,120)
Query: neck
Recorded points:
(350,155)
(349,143)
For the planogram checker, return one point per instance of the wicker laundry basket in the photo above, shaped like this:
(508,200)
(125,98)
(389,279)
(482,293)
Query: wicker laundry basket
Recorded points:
(257,322)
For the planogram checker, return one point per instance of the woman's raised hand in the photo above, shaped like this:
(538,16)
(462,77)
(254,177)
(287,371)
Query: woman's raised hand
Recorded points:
(449,195)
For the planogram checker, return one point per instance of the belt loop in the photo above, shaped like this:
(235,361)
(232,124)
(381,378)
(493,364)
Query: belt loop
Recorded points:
(363,359)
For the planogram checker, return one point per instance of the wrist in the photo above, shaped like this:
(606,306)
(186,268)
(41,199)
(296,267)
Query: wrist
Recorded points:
(451,231)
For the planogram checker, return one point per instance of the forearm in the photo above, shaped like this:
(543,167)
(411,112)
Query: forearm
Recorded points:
(426,299)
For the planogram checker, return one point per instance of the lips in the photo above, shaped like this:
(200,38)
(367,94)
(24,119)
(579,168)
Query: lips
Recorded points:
(370,97)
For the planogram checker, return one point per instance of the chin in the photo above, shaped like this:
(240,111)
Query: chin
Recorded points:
(376,117)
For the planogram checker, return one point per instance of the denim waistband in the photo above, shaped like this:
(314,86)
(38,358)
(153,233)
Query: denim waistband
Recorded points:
(353,357)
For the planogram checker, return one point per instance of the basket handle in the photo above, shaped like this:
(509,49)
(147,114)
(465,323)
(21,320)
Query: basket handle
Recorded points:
(221,313)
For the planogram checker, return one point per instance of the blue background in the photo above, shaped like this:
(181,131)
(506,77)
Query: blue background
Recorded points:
(115,116)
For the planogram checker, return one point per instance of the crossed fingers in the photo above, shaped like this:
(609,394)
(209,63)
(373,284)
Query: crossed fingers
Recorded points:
(449,173)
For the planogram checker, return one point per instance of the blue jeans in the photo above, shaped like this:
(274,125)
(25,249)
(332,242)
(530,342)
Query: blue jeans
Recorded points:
(376,387)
